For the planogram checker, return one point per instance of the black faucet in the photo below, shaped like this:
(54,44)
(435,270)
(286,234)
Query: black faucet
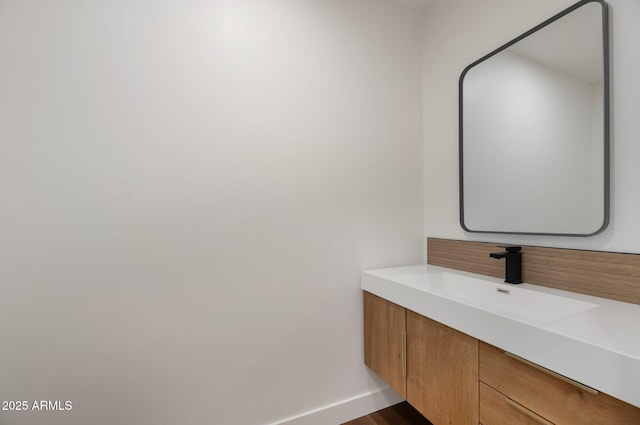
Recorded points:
(513,263)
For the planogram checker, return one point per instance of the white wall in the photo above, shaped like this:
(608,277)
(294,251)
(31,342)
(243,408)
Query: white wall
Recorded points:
(190,190)
(459,32)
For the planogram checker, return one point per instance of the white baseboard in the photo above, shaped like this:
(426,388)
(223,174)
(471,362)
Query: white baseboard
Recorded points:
(345,410)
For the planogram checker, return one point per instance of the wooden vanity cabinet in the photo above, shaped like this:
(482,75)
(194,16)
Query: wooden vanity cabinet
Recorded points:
(434,367)
(454,379)
(496,409)
(442,372)
(513,387)
(384,341)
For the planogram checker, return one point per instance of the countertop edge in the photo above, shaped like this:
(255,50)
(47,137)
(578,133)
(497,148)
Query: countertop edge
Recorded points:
(613,373)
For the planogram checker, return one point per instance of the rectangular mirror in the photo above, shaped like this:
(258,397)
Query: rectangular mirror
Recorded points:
(534,130)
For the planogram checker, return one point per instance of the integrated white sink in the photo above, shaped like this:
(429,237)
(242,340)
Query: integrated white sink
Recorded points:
(591,340)
(509,299)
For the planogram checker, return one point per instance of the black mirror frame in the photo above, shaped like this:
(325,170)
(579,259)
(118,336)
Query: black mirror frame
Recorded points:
(607,179)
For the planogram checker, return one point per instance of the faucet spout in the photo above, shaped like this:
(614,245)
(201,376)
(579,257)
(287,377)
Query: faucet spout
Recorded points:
(513,263)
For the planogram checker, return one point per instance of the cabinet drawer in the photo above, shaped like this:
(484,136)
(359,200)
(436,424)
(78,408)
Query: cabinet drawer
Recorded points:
(497,409)
(549,396)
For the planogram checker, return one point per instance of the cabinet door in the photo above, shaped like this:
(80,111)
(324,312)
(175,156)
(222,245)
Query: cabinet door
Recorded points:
(442,379)
(384,337)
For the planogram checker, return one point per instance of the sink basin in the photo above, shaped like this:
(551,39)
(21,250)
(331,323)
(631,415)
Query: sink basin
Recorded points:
(506,299)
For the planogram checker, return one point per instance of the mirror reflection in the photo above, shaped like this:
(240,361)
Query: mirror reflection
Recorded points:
(534,130)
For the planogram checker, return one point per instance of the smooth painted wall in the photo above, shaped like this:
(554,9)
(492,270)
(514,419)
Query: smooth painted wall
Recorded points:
(190,190)
(456,33)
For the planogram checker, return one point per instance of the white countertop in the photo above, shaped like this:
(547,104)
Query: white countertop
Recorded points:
(599,347)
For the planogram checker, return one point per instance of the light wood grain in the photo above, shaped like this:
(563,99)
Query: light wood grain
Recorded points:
(557,401)
(442,378)
(604,274)
(384,324)
(494,410)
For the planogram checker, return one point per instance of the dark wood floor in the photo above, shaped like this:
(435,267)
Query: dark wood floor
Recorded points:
(400,414)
